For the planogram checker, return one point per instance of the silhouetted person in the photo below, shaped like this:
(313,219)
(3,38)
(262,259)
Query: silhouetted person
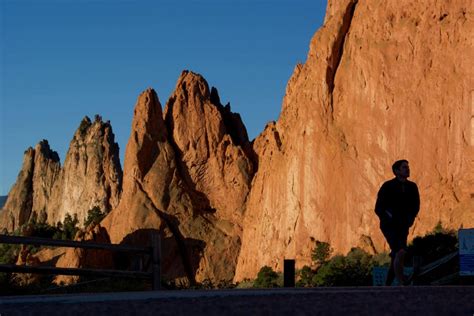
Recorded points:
(398,203)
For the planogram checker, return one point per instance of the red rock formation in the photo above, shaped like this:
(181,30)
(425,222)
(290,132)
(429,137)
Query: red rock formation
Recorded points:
(91,175)
(211,145)
(383,81)
(32,190)
(85,258)
(175,181)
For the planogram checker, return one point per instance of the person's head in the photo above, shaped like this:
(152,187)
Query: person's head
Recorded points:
(400,169)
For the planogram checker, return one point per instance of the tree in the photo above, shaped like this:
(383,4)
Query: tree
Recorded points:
(354,269)
(266,278)
(94,216)
(70,226)
(306,275)
(321,252)
(433,246)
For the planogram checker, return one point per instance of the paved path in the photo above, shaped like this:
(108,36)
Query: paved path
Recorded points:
(447,300)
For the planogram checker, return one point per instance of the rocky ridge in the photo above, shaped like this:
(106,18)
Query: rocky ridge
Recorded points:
(91,176)
(31,192)
(349,111)
(383,81)
(186,175)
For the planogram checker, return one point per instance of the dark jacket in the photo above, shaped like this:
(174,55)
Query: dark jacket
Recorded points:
(397,204)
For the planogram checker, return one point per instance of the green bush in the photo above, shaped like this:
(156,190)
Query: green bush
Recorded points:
(321,252)
(352,270)
(8,255)
(94,216)
(266,278)
(434,245)
(245,284)
(37,226)
(305,277)
(70,227)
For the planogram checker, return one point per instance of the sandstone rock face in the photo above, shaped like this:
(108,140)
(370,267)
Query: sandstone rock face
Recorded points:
(32,190)
(46,172)
(91,175)
(180,170)
(211,155)
(85,258)
(383,81)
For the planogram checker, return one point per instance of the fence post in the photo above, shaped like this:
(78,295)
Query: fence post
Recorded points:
(156,257)
(289,273)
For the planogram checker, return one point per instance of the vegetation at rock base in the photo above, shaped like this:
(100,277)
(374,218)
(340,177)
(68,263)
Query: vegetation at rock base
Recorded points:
(37,226)
(321,252)
(434,245)
(352,269)
(8,255)
(94,216)
(267,278)
(68,228)
(355,268)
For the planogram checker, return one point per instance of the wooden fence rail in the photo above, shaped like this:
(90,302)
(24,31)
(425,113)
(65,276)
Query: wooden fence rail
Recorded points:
(154,251)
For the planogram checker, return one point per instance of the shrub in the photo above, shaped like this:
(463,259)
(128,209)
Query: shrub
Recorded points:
(37,226)
(70,227)
(266,278)
(94,216)
(245,284)
(434,245)
(382,259)
(8,255)
(305,277)
(352,270)
(321,252)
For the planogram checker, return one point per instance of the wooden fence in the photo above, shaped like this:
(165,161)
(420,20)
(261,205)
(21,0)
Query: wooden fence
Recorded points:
(154,252)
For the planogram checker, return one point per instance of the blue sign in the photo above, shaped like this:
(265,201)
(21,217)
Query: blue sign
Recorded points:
(466,251)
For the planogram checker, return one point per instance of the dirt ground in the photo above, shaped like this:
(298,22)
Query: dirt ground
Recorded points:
(447,300)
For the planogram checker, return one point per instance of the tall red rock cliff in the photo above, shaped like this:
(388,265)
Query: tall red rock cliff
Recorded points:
(91,175)
(211,145)
(32,190)
(175,181)
(383,80)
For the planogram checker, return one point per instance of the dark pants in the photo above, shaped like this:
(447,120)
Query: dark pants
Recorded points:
(397,239)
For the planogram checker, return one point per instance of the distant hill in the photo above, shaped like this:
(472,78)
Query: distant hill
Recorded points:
(3,199)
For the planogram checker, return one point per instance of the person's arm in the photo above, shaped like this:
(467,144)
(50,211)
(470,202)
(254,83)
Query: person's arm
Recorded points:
(381,205)
(415,205)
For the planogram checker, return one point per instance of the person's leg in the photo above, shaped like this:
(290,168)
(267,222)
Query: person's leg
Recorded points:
(391,271)
(399,264)
(390,236)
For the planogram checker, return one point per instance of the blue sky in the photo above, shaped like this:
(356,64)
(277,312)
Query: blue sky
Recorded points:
(63,59)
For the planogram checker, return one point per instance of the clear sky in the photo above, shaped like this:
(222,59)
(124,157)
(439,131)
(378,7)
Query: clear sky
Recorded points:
(63,59)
